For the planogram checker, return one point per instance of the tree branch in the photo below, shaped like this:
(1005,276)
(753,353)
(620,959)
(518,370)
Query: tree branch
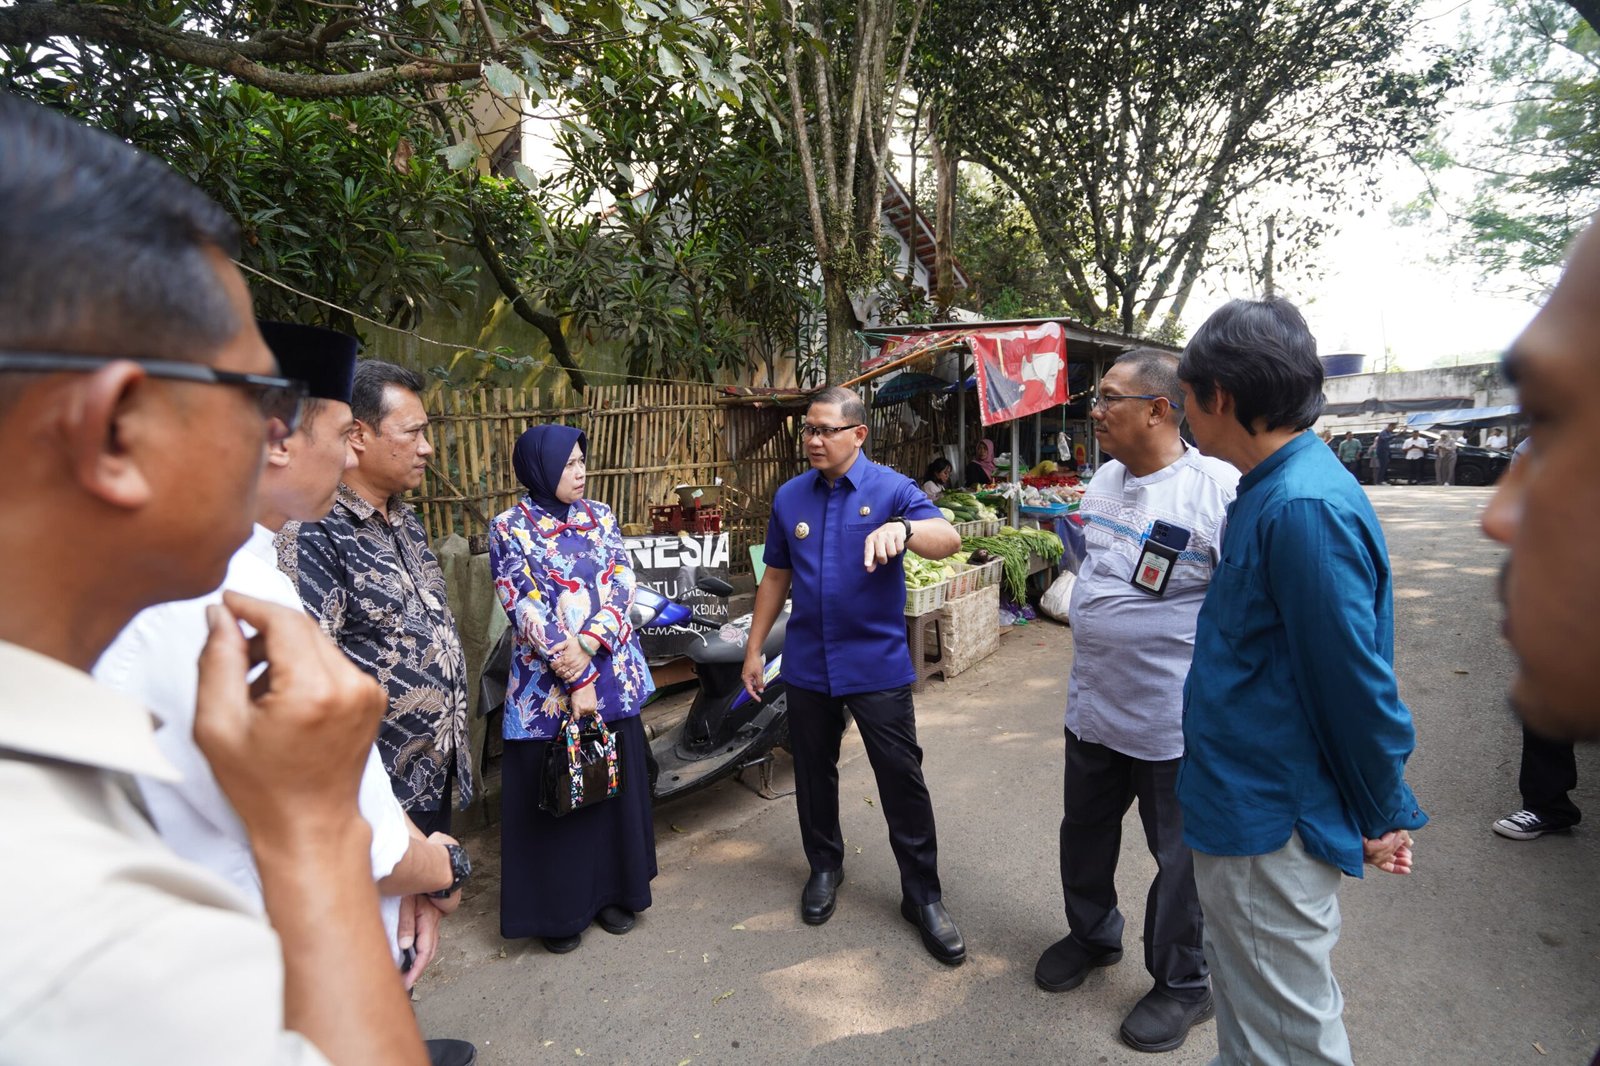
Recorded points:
(36,23)
(543,321)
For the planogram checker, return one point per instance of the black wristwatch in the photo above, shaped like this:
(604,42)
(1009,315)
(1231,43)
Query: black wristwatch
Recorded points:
(903,520)
(460,871)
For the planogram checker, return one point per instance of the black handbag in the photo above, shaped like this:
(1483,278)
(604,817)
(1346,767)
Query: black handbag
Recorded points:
(582,766)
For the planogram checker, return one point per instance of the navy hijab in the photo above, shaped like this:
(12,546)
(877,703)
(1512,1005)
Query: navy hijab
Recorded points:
(540,459)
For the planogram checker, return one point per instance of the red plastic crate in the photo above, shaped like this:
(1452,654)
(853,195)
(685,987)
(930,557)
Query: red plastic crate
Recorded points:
(675,519)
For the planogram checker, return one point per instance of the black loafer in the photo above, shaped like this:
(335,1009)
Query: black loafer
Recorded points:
(451,1053)
(614,920)
(1066,963)
(1160,1023)
(560,945)
(819,896)
(939,933)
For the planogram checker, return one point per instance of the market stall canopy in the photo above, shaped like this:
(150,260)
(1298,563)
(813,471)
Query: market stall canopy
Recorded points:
(1379,405)
(1468,416)
(1021,362)
(902,387)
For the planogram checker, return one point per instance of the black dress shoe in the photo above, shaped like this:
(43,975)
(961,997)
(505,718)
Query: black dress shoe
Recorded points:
(1160,1023)
(451,1053)
(560,945)
(819,895)
(615,920)
(1066,963)
(939,933)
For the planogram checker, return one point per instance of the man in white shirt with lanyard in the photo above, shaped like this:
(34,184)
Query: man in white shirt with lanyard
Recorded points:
(153,660)
(1154,517)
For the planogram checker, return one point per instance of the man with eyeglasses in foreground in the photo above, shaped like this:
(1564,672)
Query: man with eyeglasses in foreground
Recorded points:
(1154,518)
(367,573)
(131,481)
(833,543)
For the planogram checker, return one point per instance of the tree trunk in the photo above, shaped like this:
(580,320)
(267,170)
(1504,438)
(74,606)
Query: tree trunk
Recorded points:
(945,163)
(844,360)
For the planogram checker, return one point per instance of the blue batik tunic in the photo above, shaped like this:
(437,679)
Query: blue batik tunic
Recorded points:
(558,578)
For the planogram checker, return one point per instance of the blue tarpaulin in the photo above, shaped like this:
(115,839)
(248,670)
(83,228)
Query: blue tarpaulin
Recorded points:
(1465,416)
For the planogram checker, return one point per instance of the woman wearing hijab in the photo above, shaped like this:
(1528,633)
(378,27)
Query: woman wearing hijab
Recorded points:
(563,578)
(980,471)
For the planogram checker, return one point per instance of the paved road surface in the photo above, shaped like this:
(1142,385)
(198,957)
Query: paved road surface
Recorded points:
(1488,954)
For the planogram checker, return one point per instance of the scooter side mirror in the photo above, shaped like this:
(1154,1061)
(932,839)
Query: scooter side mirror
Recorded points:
(714,585)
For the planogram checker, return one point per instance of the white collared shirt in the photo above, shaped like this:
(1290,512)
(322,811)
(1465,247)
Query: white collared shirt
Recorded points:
(116,950)
(154,660)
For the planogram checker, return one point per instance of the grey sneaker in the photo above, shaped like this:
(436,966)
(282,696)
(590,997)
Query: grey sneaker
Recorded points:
(1528,825)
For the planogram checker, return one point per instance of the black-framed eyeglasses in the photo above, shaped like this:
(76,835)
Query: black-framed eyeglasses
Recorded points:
(280,399)
(807,430)
(1101,400)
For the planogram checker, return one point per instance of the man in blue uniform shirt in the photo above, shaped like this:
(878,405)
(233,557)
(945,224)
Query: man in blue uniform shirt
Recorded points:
(833,542)
(1295,739)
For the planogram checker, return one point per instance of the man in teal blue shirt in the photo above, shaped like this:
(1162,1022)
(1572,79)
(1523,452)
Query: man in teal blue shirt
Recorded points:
(1294,733)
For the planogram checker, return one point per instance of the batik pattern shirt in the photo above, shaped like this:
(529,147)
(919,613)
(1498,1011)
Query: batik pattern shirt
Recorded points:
(379,592)
(558,579)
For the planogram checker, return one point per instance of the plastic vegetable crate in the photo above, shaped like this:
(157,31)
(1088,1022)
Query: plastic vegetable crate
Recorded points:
(921,601)
(989,573)
(964,583)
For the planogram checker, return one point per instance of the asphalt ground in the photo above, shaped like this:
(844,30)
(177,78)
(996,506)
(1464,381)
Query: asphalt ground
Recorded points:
(1489,953)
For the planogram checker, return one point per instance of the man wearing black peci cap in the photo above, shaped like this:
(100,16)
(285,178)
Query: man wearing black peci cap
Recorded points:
(154,658)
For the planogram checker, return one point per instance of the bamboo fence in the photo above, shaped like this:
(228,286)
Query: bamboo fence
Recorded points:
(644,440)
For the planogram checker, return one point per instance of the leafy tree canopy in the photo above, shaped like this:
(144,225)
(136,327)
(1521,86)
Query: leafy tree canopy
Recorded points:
(1133,133)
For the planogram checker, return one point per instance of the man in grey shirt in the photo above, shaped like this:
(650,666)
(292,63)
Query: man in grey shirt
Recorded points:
(1154,518)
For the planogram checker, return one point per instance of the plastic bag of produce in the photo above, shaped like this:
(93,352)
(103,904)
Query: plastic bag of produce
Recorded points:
(1057,597)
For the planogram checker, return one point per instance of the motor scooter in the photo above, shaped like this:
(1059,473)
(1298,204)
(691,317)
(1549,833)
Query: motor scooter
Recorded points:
(726,732)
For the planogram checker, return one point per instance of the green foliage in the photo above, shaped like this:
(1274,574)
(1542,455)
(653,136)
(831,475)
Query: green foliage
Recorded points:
(695,263)
(1000,250)
(1136,135)
(341,199)
(1543,183)
(366,193)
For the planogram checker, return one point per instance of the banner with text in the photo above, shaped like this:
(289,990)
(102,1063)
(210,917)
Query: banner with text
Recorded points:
(669,564)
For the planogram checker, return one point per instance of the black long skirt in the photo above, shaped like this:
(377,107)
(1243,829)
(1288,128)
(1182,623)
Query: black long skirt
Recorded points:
(556,873)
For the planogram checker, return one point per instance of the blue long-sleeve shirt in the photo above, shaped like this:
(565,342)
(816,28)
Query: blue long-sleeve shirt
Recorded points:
(1292,717)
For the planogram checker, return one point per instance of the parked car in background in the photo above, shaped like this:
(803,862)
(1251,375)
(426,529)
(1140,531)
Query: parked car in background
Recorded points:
(1474,465)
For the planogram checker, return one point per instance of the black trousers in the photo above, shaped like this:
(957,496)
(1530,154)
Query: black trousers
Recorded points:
(888,726)
(1549,771)
(1101,784)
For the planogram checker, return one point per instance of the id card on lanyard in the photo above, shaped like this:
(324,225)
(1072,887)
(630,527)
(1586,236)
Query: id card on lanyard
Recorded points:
(1158,556)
